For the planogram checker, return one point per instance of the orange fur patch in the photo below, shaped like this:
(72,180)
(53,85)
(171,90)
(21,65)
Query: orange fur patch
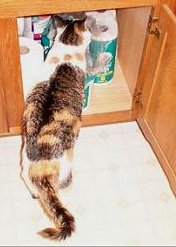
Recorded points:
(48,127)
(77,126)
(43,168)
(79,56)
(64,115)
(67,57)
(54,60)
(79,28)
(47,139)
(27,114)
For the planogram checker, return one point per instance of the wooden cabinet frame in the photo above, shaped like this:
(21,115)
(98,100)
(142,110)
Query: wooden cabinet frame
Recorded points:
(11,90)
(11,8)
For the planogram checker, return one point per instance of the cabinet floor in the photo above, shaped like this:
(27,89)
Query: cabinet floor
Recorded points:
(119,195)
(110,97)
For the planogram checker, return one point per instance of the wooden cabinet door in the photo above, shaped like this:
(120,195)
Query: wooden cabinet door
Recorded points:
(158,114)
(3,116)
(11,93)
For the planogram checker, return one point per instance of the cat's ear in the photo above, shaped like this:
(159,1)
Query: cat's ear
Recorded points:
(79,29)
(58,22)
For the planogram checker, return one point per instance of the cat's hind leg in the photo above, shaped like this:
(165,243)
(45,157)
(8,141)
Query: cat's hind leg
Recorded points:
(65,174)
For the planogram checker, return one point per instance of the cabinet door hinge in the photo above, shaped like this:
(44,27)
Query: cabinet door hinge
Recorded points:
(137,97)
(153,27)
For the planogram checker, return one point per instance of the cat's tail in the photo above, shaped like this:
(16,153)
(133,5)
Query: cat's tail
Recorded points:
(44,176)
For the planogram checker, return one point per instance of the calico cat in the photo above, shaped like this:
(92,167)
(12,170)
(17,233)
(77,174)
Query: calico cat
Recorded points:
(52,120)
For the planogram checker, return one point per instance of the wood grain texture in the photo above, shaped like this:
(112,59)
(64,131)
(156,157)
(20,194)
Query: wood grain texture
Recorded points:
(3,115)
(148,65)
(13,132)
(90,120)
(172,5)
(111,97)
(132,33)
(107,118)
(11,8)
(11,73)
(159,112)
(166,166)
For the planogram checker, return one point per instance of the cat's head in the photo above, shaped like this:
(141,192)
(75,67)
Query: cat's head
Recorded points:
(72,30)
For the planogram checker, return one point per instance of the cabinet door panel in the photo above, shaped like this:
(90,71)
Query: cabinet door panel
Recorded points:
(158,117)
(3,120)
(11,72)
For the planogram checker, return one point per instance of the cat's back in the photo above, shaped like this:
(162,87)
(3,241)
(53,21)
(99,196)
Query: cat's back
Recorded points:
(67,85)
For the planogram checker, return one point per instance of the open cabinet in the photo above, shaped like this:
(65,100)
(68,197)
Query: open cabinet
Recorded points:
(143,87)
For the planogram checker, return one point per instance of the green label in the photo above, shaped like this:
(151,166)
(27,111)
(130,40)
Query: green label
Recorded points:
(103,54)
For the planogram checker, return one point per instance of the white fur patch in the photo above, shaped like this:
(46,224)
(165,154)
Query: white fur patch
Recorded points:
(65,168)
(59,50)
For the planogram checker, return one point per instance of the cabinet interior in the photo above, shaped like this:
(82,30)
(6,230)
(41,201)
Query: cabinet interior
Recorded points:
(117,95)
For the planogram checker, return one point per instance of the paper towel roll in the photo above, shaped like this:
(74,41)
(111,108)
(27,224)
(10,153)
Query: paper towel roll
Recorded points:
(107,28)
(102,49)
(31,56)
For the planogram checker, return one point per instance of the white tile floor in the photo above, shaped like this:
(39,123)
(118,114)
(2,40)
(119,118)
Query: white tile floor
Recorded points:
(119,196)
